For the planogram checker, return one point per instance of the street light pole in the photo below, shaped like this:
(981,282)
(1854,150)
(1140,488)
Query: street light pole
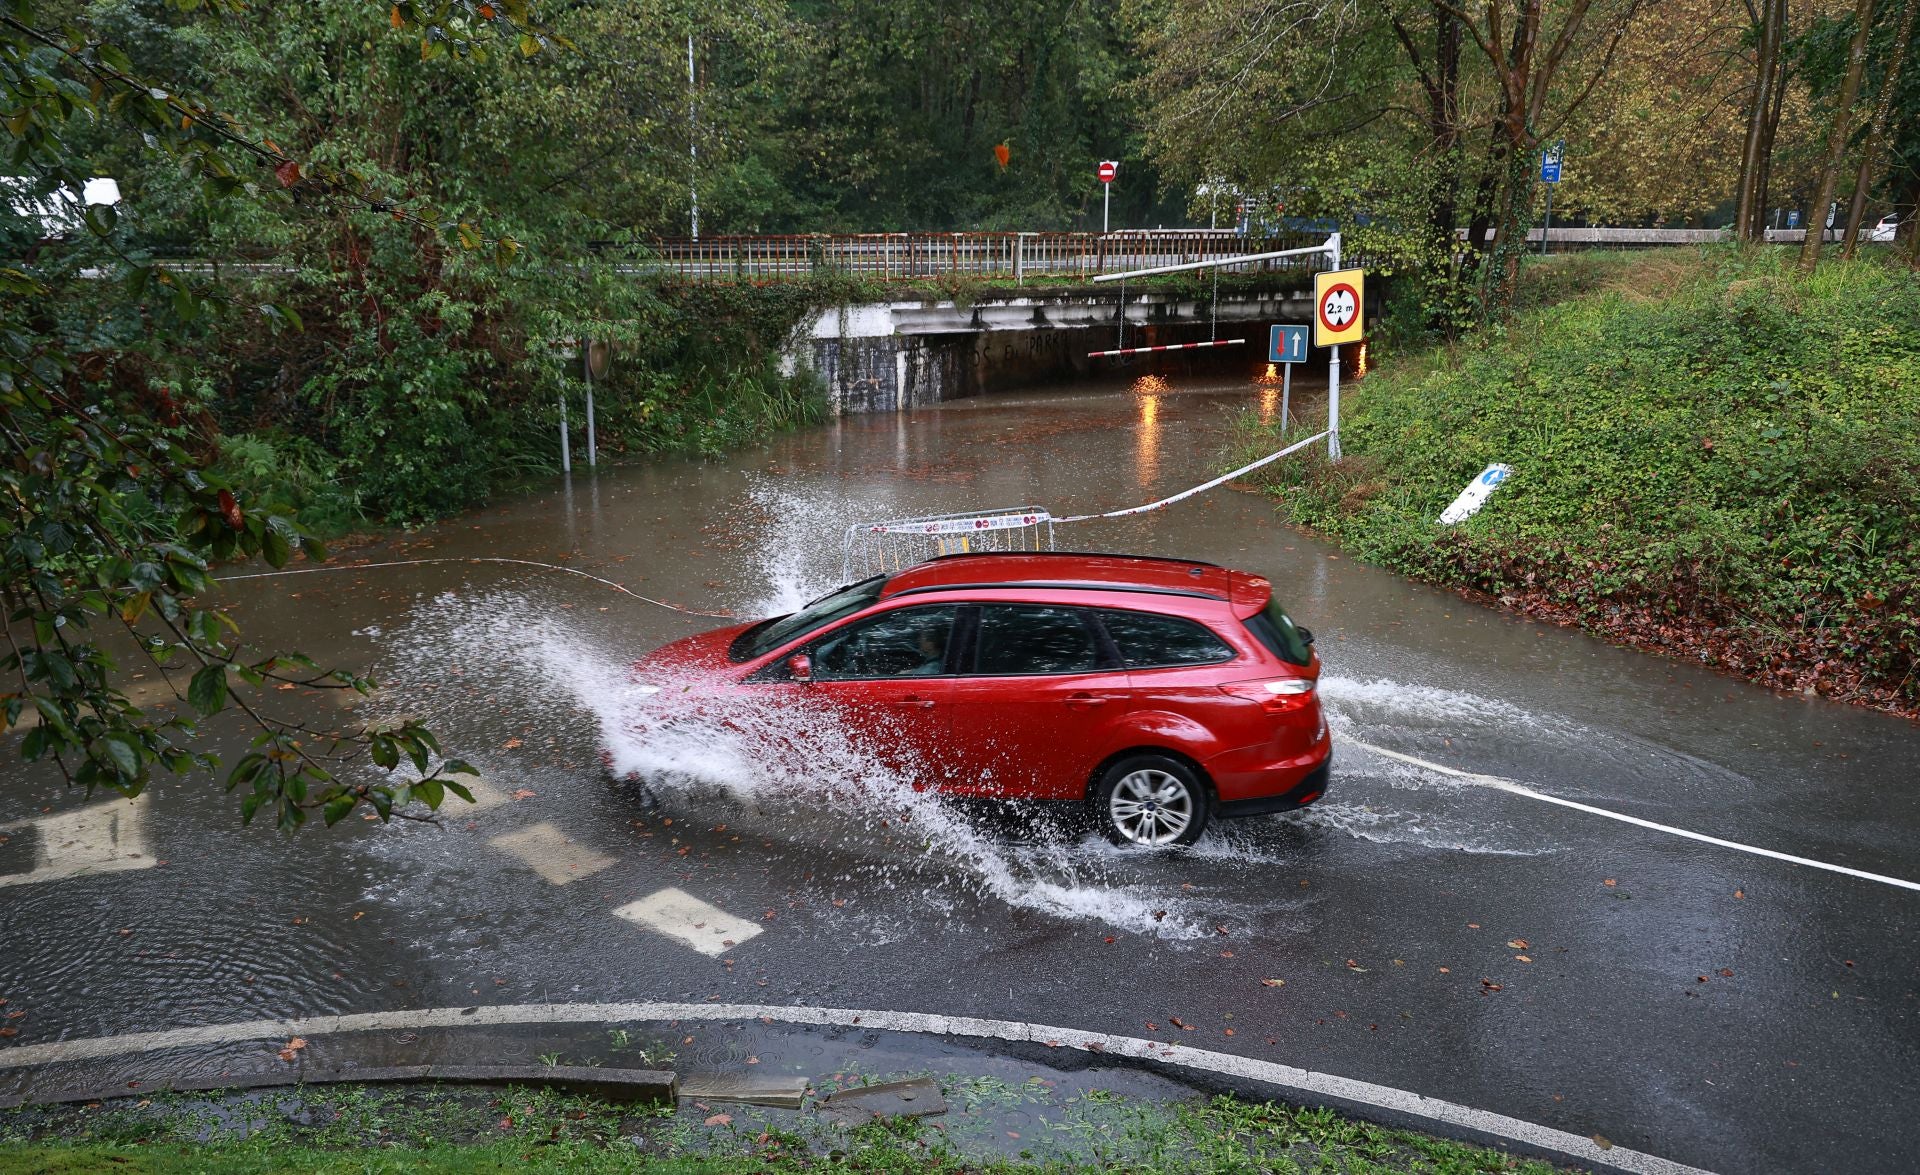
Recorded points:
(693,144)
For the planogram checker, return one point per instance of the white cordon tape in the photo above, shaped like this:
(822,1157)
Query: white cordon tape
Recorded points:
(1299,1084)
(1166,347)
(1512,788)
(1201,489)
(962,525)
(618,587)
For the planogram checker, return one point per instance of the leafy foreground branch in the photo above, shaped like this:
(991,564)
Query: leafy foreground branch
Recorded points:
(992,1126)
(111,523)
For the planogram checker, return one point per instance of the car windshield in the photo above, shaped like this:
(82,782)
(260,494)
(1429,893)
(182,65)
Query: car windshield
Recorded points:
(765,637)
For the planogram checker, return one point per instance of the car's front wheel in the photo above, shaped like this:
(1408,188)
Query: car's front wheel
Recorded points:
(1152,801)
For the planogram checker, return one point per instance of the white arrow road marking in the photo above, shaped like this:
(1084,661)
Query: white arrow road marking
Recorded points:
(103,838)
(681,916)
(1519,789)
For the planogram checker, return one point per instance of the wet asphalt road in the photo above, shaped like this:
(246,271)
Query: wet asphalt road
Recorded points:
(1709,1006)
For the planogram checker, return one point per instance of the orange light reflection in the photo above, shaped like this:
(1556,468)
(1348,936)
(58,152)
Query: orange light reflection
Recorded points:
(1146,435)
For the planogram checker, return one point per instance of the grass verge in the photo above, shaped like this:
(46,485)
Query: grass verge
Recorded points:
(1716,458)
(445,1129)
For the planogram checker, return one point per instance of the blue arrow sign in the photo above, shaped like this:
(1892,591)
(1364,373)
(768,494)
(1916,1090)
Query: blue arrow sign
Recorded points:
(1287,344)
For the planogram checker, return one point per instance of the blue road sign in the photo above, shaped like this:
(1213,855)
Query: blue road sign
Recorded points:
(1550,162)
(1793,218)
(1287,344)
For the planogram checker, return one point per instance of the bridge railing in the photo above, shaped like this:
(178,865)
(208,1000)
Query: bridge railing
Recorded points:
(1017,257)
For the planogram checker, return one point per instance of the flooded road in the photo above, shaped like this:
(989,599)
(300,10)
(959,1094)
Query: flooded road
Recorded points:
(1712,1006)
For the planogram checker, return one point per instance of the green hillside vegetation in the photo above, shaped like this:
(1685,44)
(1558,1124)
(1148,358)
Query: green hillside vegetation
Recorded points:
(1719,459)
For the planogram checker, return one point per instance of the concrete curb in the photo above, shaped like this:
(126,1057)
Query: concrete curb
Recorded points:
(1380,1103)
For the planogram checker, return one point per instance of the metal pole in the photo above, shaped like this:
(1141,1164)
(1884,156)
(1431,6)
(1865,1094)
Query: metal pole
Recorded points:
(1546,229)
(566,442)
(1106,202)
(1286,395)
(693,145)
(1242,259)
(1333,373)
(593,451)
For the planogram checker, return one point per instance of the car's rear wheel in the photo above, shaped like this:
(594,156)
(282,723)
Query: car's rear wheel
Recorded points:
(1152,801)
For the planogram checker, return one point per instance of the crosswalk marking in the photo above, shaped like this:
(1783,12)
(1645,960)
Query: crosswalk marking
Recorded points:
(102,838)
(548,852)
(681,916)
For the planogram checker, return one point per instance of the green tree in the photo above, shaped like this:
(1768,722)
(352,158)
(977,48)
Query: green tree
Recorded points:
(114,519)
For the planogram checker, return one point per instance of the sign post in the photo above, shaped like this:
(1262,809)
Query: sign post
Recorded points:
(1107,170)
(1286,345)
(1338,317)
(1550,175)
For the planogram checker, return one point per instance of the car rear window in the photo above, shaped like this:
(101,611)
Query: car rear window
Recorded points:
(1272,627)
(1148,641)
(1020,639)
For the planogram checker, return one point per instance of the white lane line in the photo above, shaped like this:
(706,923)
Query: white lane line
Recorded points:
(103,838)
(681,916)
(1518,789)
(545,849)
(1302,1084)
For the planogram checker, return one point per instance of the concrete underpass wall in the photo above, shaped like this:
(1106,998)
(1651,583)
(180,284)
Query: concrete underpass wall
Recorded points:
(892,373)
(893,356)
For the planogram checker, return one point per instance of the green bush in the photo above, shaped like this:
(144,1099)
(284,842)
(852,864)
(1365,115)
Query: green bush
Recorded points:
(1729,465)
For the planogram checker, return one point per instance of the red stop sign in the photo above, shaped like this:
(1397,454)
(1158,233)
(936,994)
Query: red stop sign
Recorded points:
(1108,169)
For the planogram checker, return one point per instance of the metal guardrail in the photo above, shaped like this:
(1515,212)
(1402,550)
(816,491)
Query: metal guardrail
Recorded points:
(924,256)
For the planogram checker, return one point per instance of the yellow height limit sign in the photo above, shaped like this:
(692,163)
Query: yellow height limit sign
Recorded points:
(1337,307)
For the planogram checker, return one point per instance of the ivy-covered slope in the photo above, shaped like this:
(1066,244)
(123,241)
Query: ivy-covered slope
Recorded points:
(1719,459)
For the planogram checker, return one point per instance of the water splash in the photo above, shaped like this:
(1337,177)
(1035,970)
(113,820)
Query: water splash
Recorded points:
(795,772)
(1473,726)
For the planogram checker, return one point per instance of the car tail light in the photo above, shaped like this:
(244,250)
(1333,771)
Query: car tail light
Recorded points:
(1276,695)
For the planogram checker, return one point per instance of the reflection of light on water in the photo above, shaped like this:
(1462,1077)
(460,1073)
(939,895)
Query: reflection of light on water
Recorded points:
(1149,385)
(1146,443)
(1269,403)
(1360,362)
(1271,377)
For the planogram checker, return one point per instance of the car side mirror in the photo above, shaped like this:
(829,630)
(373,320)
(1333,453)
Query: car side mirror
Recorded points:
(800,666)
(1306,634)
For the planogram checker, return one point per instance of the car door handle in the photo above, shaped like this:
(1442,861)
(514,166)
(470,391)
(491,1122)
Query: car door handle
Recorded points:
(1084,701)
(913,703)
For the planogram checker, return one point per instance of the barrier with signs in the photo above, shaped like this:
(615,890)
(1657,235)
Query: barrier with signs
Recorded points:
(881,548)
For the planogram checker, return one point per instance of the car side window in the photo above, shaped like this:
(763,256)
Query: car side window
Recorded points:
(1020,639)
(907,642)
(1149,641)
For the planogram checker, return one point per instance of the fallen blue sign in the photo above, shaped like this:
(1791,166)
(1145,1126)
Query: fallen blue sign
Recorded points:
(1476,494)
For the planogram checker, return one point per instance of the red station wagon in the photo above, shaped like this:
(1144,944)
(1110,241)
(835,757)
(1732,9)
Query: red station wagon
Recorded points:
(1159,692)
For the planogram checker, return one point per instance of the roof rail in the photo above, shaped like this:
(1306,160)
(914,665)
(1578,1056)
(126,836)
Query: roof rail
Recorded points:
(1080,554)
(1056,586)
